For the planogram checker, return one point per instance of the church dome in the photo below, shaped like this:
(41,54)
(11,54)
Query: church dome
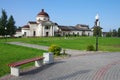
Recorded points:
(43,13)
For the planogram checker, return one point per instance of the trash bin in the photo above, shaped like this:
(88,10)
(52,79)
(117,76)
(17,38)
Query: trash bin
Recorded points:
(48,58)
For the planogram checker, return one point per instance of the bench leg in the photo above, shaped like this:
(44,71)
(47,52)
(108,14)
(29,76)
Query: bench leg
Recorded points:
(38,63)
(15,71)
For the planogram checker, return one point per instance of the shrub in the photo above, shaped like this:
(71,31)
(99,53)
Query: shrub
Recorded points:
(55,49)
(57,35)
(90,48)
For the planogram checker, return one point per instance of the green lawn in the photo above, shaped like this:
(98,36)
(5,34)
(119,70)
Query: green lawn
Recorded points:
(80,43)
(13,53)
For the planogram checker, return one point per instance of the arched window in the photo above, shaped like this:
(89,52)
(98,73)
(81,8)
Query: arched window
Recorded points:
(83,33)
(88,34)
(78,34)
(25,33)
(47,27)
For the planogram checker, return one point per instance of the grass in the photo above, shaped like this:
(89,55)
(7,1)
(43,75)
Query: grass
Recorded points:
(79,43)
(12,53)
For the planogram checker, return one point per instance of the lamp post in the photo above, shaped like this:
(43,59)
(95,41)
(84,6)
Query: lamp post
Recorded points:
(6,33)
(97,42)
(97,31)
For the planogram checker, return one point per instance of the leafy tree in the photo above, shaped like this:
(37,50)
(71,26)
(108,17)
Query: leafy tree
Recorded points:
(11,29)
(3,23)
(97,31)
(18,28)
(114,33)
(108,34)
(118,32)
(7,26)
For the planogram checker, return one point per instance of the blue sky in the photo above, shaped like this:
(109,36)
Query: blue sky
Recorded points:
(65,12)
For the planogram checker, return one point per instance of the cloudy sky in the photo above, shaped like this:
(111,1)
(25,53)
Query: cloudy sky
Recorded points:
(65,12)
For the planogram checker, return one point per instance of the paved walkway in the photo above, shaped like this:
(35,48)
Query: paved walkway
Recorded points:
(105,66)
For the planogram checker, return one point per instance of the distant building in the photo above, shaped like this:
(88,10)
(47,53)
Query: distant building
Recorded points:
(79,29)
(44,27)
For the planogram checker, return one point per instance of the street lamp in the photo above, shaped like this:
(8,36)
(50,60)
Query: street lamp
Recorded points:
(97,24)
(6,33)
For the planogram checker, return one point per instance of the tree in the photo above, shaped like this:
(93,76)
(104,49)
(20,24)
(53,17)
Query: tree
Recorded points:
(97,31)
(118,32)
(108,34)
(9,24)
(114,33)
(3,23)
(11,29)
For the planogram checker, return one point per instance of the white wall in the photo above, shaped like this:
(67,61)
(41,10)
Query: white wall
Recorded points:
(18,34)
(33,28)
(81,33)
(27,32)
(76,32)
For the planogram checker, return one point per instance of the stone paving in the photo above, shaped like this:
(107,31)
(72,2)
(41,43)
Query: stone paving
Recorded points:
(104,66)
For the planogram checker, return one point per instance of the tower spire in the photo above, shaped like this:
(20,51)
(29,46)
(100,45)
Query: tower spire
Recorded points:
(42,10)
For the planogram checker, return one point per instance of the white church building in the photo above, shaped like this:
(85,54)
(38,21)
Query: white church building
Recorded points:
(44,27)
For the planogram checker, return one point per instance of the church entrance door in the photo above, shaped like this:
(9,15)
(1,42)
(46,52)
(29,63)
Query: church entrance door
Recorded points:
(47,33)
(34,33)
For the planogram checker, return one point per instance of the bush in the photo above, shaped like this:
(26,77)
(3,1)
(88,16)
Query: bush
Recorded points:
(90,48)
(55,49)
(57,35)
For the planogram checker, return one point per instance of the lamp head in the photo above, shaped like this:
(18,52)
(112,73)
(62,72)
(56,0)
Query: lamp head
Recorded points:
(97,17)
(5,28)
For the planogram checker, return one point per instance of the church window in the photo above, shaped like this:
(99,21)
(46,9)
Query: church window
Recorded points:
(78,33)
(73,33)
(38,20)
(44,18)
(25,33)
(83,33)
(47,27)
(88,34)
(63,33)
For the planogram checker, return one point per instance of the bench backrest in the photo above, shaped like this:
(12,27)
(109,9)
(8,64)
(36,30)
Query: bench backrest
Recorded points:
(25,61)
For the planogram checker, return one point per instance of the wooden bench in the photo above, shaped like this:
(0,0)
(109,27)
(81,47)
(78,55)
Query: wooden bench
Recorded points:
(15,67)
